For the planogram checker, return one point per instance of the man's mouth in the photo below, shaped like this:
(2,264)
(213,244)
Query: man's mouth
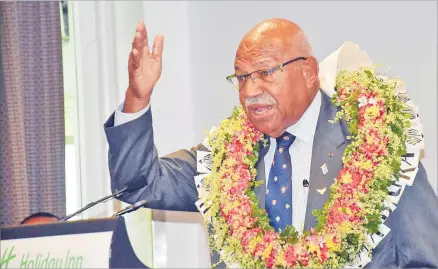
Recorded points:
(259,111)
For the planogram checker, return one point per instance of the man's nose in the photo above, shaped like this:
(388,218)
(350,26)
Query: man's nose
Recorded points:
(252,87)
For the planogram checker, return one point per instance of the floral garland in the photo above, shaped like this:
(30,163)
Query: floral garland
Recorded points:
(378,120)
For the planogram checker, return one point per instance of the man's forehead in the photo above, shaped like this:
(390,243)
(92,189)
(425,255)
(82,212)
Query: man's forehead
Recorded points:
(260,61)
(259,52)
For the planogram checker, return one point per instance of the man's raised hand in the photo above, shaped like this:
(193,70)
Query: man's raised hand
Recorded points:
(144,67)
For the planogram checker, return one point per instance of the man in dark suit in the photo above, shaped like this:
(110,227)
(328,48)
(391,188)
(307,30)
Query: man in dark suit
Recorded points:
(277,77)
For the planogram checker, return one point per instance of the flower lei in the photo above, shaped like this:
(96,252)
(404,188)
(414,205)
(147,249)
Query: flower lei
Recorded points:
(378,119)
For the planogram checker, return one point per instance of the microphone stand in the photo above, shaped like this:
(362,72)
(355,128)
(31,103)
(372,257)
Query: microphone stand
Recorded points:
(130,208)
(104,199)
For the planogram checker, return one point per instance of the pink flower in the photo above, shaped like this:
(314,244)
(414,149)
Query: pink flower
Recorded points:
(270,236)
(239,188)
(304,257)
(295,254)
(335,216)
(259,249)
(290,256)
(243,172)
(270,260)
(354,219)
(323,251)
(234,147)
(247,236)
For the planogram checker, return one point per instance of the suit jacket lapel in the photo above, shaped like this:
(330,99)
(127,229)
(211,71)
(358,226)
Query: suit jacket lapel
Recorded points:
(329,140)
(260,191)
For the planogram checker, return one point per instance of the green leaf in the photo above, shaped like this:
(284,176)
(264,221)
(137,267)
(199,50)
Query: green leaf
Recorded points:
(373,223)
(289,235)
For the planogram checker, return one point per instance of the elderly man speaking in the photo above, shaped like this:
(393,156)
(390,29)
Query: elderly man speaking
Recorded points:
(295,177)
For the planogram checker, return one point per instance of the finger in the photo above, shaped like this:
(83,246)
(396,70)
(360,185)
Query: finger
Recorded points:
(138,42)
(141,28)
(157,49)
(134,59)
(137,58)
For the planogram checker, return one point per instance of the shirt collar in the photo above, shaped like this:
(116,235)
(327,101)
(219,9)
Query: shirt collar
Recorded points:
(305,128)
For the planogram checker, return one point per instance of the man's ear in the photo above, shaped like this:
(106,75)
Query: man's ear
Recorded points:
(311,71)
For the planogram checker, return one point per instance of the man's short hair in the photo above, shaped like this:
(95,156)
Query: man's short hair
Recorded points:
(39,214)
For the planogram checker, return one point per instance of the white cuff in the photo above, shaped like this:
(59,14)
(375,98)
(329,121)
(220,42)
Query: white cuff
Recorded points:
(120,117)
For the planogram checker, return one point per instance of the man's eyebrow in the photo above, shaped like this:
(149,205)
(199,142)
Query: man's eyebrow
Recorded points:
(260,62)
(265,61)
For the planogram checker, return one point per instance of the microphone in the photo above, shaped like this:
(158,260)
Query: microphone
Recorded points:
(305,183)
(130,208)
(132,186)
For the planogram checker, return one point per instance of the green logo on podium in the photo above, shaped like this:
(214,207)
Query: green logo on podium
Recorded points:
(7,257)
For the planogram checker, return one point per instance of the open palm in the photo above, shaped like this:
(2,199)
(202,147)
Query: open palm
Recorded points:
(144,66)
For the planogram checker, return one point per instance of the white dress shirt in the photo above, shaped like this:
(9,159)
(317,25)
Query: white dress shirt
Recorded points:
(300,150)
(301,158)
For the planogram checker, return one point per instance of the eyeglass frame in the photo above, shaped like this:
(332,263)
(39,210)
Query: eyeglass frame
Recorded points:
(270,71)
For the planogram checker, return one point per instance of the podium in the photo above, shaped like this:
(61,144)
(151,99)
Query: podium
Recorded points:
(96,243)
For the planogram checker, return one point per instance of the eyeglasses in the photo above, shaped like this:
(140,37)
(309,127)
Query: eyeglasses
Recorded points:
(239,81)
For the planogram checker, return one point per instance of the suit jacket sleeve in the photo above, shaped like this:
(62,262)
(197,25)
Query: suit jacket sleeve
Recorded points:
(412,241)
(132,154)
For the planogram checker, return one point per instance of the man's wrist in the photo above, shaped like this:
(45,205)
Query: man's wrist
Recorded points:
(134,104)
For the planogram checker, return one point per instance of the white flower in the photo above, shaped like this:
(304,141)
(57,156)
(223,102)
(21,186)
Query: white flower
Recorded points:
(363,101)
(372,101)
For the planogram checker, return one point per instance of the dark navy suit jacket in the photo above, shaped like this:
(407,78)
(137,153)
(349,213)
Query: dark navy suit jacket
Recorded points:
(412,242)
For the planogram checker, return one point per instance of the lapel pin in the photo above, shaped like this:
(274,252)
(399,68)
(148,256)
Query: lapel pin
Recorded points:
(330,154)
(324,169)
(322,191)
